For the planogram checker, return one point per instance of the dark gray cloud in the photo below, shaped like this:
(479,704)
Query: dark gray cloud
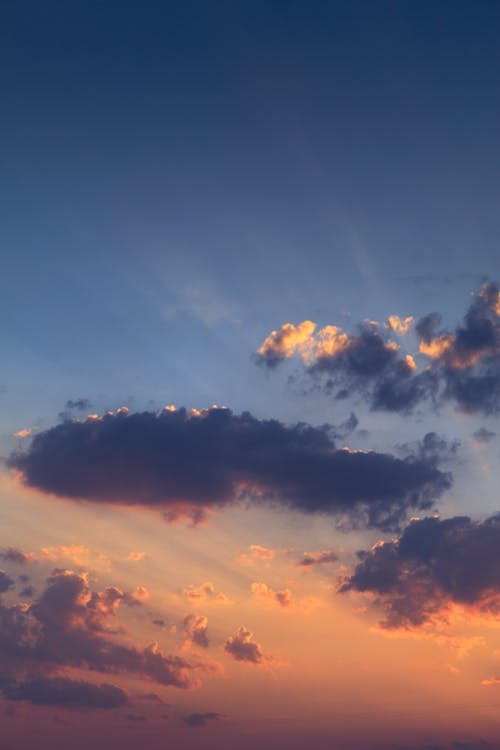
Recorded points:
(433,564)
(66,693)
(6,582)
(311,559)
(460,366)
(188,462)
(200,720)
(70,625)
(243,647)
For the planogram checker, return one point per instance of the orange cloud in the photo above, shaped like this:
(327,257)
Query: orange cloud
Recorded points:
(78,554)
(204,593)
(263,592)
(400,325)
(287,341)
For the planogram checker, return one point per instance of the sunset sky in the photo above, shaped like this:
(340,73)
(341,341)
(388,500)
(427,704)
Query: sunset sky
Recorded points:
(250,383)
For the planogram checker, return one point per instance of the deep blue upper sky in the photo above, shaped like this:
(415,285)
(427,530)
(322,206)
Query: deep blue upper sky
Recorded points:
(178,178)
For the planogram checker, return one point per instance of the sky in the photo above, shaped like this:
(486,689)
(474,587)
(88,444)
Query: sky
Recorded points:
(250,383)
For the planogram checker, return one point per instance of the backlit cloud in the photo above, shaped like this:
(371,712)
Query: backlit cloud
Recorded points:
(434,565)
(461,366)
(72,626)
(201,460)
(262,591)
(243,647)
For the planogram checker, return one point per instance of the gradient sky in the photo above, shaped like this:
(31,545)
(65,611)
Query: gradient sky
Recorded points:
(182,185)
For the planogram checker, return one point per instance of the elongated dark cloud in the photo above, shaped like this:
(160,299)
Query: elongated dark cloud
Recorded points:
(311,559)
(178,460)
(70,625)
(66,693)
(461,366)
(200,720)
(433,565)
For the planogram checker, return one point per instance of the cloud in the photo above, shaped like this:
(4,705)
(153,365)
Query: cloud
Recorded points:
(460,366)
(264,553)
(135,556)
(434,565)
(24,433)
(76,554)
(16,555)
(72,626)
(311,559)
(242,647)
(6,582)
(366,362)
(196,629)
(205,593)
(483,435)
(66,693)
(263,591)
(200,720)
(399,325)
(200,460)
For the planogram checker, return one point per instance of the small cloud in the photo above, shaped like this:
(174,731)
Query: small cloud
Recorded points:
(264,553)
(200,720)
(195,628)
(135,556)
(399,325)
(312,559)
(24,433)
(204,593)
(264,592)
(242,647)
(483,435)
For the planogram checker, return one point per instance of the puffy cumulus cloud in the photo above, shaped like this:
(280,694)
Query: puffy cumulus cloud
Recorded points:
(262,591)
(399,325)
(366,362)
(434,565)
(72,626)
(195,627)
(205,593)
(201,720)
(16,555)
(286,342)
(460,366)
(211,458)
(311,559)
(67,693)
(243,647)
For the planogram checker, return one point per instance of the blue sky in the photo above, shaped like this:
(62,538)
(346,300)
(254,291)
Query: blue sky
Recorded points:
(179,178)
